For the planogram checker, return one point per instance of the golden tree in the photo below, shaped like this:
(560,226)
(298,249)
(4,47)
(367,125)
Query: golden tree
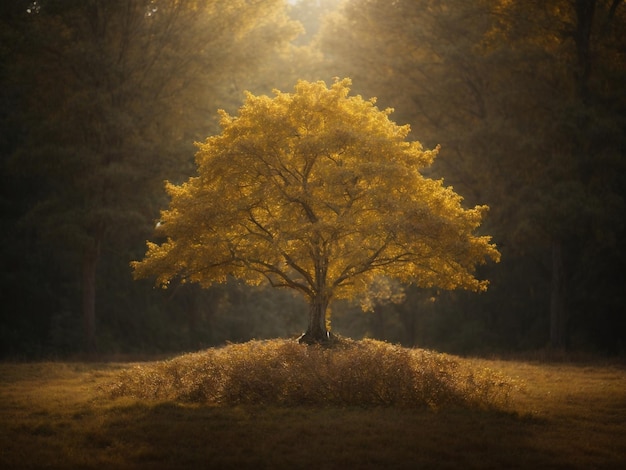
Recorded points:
(319,192)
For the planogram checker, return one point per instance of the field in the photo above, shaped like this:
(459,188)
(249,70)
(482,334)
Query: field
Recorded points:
(560,414)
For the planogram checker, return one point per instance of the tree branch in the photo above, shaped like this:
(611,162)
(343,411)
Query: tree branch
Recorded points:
(266,269)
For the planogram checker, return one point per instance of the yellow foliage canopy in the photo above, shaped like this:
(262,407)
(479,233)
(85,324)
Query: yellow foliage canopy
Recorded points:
(317,191)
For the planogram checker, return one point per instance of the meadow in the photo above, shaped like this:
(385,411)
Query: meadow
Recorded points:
(245,406)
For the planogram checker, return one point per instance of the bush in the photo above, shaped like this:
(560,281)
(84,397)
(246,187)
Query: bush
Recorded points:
(282,372)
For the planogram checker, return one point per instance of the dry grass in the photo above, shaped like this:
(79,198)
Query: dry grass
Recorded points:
(280,372)
(567,415)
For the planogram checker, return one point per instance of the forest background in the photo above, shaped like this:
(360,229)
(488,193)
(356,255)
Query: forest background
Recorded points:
(102,100)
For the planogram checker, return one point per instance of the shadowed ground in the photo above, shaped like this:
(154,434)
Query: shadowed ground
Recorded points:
(565,415)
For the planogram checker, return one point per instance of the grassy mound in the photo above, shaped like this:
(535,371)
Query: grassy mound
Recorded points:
(281,372)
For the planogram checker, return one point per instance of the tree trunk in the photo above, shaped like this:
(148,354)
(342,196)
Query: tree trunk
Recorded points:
(585,10)
(90,264)
(316,332)
(558,312)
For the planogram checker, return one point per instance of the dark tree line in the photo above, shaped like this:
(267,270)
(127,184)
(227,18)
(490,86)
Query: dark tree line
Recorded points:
(102,100)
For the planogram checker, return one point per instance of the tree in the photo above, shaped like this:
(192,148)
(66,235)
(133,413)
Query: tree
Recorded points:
(319,192)
(113,94)
(574,108)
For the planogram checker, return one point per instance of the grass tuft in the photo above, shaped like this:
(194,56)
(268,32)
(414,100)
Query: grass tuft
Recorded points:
(352,373)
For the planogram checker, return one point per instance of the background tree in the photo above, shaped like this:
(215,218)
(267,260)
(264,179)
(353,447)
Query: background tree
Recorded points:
(318,192)
(112,95)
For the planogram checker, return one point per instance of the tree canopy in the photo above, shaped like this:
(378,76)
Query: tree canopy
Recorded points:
(320,192)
